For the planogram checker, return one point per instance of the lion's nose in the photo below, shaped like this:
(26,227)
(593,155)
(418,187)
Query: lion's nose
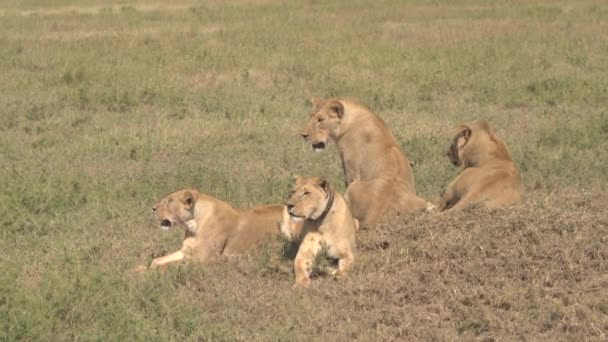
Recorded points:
(153,208)
(304,135)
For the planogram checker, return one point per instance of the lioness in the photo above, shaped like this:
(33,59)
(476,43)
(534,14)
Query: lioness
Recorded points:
(319,215)
(213,227)
(377,172)
(488,177)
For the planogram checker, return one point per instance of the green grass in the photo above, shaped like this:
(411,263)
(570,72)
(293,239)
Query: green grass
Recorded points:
(105,109)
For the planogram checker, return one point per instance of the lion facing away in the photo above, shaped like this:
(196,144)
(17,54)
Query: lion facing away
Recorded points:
(377,172)
(318,215)
(488,176)
(213,227)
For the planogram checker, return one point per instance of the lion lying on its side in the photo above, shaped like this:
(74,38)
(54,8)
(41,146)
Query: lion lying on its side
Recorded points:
(213,227)
(319,216)
(376,170)
(488,177)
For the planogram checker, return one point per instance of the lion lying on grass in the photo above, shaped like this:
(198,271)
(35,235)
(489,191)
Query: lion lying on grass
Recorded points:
(213,227)
(377,172)
(318,214)
(488,177)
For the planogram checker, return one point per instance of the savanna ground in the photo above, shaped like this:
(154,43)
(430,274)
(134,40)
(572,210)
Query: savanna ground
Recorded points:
(105,109)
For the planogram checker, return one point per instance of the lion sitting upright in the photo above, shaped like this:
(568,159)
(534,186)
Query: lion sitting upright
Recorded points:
(319,216)
(488,177)
(377,172)
(213,227)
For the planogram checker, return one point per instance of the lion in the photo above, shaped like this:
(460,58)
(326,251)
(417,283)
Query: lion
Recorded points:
(213,227)
(488,176)
(319,217)
(378,175)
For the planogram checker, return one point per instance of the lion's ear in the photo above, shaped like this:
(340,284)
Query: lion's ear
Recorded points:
(324,184)
(464,131)
(188,199)
(297,179)
(338,108)
(485,126)
(315,101)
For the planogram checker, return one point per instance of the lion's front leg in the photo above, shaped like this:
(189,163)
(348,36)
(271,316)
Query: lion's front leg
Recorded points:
(460,194)
(450,196)
(362,197)
(167,259)
(309,248)
(345,263)
(447,199)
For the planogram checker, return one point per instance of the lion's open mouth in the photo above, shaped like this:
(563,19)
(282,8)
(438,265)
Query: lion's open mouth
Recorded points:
(165,224)
(320,146)
(295,217)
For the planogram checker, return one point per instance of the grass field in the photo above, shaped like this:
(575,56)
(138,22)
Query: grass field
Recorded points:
(105,109)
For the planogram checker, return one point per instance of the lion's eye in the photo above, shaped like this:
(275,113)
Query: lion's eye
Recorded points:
(319,119)
(306,193)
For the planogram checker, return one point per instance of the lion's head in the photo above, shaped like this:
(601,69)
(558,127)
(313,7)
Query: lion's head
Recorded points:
(475,143)
(177,207)
(310,198)
(324,122)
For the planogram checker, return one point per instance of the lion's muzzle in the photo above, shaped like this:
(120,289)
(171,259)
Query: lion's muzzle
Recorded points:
(316,145)
(290,209)
(292,214)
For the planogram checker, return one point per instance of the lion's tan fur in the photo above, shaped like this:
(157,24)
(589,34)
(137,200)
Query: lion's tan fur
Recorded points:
(488,176)
(213,227)
(319,217)
(376,170)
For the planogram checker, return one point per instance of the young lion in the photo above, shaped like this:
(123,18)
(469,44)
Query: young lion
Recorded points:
(488,177)
(319,214)
(377,172)
(213,227)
